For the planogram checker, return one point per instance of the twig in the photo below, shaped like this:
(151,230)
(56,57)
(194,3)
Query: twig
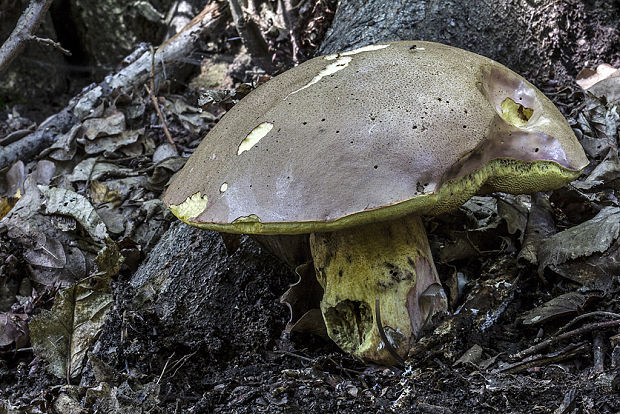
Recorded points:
(160,116)
(586,328)
(51,43)
(585,316)
(570,351)
(289,353)
(163,371)
(27,24)
(155,104)
(313,360)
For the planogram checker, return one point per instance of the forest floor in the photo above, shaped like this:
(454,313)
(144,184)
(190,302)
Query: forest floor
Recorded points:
(131,338)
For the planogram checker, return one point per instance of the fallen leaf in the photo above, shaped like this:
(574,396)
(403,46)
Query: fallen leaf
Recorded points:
(13,329)
(586,78)
(67,202)
(112,143)
(110,125)
(594,235)
(564,305)
(7,203)
(63,335)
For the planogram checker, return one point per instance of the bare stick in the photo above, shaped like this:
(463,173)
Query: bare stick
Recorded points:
(27,24)
(575,332)
(51,43)
(161,117)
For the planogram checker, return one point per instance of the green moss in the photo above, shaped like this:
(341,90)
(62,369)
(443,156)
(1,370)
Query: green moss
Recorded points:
(506,175)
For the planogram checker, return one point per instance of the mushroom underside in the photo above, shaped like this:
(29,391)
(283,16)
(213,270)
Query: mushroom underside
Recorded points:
(388,264)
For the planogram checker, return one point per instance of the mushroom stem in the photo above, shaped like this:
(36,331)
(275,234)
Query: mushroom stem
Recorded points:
(389,260)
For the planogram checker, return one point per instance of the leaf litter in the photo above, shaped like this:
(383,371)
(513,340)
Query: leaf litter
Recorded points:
(92,199)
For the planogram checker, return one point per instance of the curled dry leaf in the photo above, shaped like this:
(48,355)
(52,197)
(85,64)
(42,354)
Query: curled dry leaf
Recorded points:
(586,78)
(111,125)
(47,252)
(192,118)
(491,222)
(64,148)
(540,225)
(303,300)
(604,82)
(67,202)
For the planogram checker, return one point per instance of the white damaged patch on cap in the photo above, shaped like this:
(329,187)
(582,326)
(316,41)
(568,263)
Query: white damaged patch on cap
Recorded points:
(362,49)
(342,61)
(254,136)
(190,208)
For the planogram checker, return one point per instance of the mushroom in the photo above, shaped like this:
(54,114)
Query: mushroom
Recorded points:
(353,148)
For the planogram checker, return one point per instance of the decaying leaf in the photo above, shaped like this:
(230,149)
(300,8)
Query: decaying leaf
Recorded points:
(514,210)
(89,169)
(64,147)
(602,82)
(586,78)
(12,188)
(540,225)
(164,151)
(13,329)
(67,202)
(112,143)
(64,334)
(487,230)
(100,193)
(605,174)
(192,118)
(472,356)
(111,125)
(564,305)
(46,252)
(14,179)
(163,171)
(598,271)
(594,235)
(596,126)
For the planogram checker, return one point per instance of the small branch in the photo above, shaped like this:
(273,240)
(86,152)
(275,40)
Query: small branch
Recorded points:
(586,328)
(155,104)
(27,24)
(51,43)
(161,117)
(585,316)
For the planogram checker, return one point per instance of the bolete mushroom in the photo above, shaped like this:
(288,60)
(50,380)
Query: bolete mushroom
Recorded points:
(353,148)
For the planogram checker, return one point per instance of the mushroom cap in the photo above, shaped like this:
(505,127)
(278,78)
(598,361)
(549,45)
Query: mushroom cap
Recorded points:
(407,127)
